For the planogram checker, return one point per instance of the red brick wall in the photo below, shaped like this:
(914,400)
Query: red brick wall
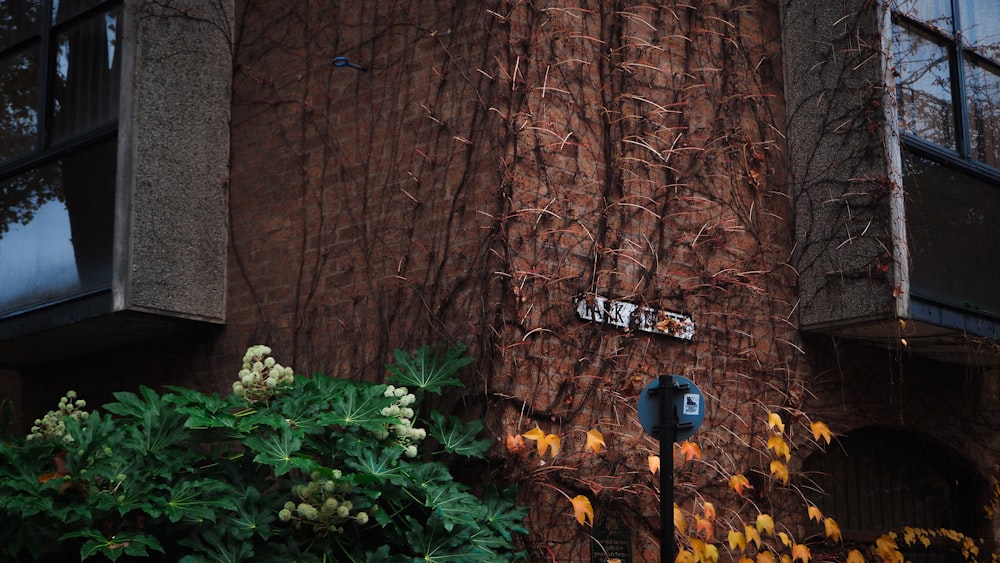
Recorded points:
(495,161)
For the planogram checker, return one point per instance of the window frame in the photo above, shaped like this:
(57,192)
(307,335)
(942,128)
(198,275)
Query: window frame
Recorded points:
(44,150)
(958,52)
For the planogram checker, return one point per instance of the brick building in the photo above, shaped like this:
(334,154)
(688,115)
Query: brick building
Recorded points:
(810,182)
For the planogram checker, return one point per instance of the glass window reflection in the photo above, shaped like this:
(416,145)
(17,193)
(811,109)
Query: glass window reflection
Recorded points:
(56,230)
(18,96)
(923,87)
(87,77)
(983,89)
(18,21)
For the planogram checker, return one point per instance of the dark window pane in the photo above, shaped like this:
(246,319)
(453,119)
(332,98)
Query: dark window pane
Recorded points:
(18,102)
(924,87)
(65,9)
(981,26)
(56,230)
(955,233)
(18,20)
(87,75)
(983,90)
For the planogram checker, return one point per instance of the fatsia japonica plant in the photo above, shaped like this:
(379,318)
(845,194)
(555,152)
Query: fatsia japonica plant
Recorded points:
(284,468)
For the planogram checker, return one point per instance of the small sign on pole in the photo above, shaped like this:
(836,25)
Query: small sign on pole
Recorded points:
(671,409)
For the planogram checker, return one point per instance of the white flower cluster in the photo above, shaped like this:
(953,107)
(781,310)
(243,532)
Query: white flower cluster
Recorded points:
(322,505)
(406,435)
(261,377)
(53,424)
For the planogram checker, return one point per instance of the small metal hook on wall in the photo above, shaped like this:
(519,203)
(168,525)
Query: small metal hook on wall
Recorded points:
(343,61)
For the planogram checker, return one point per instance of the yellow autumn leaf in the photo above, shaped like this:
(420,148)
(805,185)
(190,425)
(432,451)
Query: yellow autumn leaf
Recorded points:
(786,558)
(766,557)
(654,464)
(684,556)
(821,430)
(779,446)
(698,548)
(886,548)
(680,523)
(595,440)
(774,421)
(832,529)
(780,471)
(739,482)
(553,441)
(801,552)
(690,450)
(538,436)
(815,513)
(785,540)
(745,559)
(854,556)
(582,509)
(752,535)
(765,524)
(737,541)
(711,554)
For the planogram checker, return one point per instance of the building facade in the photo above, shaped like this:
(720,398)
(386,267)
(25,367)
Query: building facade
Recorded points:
(809,182)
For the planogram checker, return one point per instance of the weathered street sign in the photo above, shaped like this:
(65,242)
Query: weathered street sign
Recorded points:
(630,316)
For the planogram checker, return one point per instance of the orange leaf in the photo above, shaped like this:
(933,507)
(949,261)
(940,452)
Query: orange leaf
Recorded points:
(774,421)
(765,524)
(779,446)
(739,482)
(800,551)
(766,557)
(737,540)
(582,509)
(515,445)
(690,450)
(821,430)
(654,464)
(594,441)
(709,511)
(780,471)
(832,529)
(854,556)
(815,513)
(745,559)
(49,476)
(704,526)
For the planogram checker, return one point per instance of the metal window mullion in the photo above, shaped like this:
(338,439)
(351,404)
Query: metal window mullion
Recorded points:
(963,136)
(45,76)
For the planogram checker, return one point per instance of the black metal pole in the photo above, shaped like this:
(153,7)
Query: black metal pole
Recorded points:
(668,433)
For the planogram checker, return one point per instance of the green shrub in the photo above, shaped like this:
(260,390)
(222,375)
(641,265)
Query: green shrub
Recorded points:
(285,468)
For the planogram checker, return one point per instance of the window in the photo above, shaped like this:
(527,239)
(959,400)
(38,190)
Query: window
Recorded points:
(946,54)
(59,82)
(947,61)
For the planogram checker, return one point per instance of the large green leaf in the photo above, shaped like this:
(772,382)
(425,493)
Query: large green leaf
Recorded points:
(428,370)
(279,448)
(114,547)
(359,406)
(199,500)
(458,437)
